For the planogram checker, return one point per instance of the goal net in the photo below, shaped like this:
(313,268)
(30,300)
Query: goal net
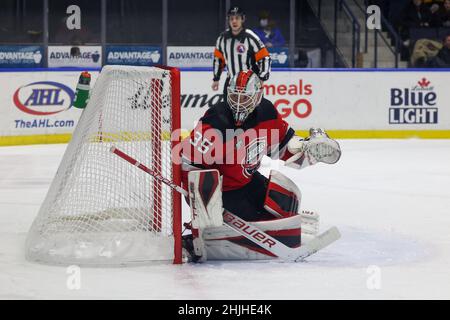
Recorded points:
(100,210)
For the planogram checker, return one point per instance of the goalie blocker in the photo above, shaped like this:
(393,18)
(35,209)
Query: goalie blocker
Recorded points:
(213,238)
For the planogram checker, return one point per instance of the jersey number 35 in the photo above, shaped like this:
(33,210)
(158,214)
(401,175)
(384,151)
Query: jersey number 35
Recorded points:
(202,144)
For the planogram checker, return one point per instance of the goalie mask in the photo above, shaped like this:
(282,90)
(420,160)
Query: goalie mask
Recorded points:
(244,95)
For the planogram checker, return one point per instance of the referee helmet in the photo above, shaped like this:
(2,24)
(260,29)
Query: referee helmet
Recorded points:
(236,11)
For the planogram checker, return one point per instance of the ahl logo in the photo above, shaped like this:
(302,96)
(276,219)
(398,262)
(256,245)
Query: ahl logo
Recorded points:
(43,98)
(414,105)
(240,48)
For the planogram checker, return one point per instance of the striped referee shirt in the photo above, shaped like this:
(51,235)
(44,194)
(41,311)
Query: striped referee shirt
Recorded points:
(242,52)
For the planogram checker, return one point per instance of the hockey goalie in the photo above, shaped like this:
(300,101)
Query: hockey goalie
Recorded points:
(237,213)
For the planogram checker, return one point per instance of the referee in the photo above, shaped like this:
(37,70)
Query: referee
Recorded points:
(239,49)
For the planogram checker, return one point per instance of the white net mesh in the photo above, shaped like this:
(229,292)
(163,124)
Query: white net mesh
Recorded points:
(100,210)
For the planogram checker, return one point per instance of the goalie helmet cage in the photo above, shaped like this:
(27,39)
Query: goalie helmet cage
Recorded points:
(100,210)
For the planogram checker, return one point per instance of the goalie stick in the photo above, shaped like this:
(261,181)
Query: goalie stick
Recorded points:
(251,232)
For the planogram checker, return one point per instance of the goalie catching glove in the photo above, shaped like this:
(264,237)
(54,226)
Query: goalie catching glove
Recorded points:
(318,147)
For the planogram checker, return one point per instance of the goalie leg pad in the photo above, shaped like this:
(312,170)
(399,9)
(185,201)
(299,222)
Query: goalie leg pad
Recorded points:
(282,197)
(205,201)
(205,198)
(224,243)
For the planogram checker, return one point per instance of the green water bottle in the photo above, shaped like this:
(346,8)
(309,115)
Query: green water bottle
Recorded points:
(82,91)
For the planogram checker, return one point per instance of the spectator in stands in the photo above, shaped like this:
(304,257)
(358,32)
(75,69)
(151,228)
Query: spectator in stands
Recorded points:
(440,14)
(269,34)
(442,59)
(395,11)
(423,53)
(446,14)
(417,15)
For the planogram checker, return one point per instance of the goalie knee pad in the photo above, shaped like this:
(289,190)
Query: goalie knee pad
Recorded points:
(282,196)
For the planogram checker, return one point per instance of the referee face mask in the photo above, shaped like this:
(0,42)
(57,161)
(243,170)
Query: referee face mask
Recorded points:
(244,95)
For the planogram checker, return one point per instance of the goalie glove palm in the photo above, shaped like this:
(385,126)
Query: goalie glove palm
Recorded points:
(318,147)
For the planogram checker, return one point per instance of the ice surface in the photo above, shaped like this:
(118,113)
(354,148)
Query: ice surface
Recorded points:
(389,198)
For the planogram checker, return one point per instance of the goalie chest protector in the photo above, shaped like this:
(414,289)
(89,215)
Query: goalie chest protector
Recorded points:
(216,142)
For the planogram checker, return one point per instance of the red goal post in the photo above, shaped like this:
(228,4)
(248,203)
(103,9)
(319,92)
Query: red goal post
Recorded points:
(175,76)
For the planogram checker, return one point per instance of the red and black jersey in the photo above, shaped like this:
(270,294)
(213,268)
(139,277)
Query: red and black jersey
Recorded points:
(217,143)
